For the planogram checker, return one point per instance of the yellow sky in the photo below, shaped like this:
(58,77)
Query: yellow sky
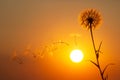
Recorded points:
(36,23)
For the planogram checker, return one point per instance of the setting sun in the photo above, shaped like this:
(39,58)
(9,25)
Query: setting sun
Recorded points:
(76,56)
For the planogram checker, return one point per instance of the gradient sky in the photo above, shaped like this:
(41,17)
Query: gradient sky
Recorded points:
(41,22)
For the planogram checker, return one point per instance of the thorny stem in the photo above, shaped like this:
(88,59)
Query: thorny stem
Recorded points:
(96,53)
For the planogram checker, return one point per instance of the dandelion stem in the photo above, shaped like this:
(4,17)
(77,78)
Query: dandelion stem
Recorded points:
(91,32)
(96,53)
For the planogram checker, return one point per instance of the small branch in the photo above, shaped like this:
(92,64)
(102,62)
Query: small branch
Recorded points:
(99,46)
(94,63)
(106,67)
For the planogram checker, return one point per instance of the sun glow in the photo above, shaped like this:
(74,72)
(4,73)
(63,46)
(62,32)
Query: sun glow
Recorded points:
(76,56)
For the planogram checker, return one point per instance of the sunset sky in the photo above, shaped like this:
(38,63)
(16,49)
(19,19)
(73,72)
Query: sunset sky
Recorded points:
(37,23)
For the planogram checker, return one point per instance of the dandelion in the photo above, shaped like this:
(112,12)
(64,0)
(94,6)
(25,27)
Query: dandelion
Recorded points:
(90,18)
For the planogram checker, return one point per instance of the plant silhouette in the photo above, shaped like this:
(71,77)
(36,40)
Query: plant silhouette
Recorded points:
(91,19)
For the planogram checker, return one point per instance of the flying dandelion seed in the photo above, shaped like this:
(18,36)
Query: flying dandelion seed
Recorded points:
(90,18)
(27,51)
(61,42)
(34,55)
(75,36)
(51,49)
(16,58)
(42,53)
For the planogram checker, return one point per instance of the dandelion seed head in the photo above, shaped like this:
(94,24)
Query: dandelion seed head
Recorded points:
(90,18)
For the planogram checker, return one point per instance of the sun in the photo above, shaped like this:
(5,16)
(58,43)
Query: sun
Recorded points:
(76,56)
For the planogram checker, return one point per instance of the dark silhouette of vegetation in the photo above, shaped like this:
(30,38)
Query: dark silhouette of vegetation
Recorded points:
(90,19)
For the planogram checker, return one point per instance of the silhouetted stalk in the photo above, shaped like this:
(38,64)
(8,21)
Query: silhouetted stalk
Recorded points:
(92,38)
(96,54)
(91,19)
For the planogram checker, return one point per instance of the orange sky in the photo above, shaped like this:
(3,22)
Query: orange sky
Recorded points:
(38,23)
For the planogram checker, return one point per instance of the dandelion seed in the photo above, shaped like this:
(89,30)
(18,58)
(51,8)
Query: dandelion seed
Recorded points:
(75,36)
(16,58)
(61,42)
